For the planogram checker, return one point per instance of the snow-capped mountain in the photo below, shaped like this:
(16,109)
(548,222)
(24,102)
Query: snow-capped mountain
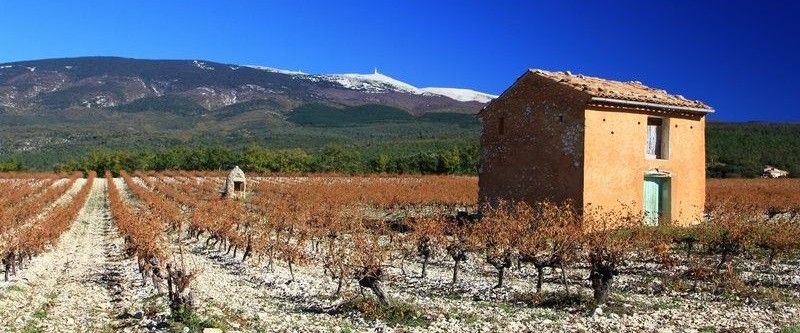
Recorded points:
(200,87)
(379,83)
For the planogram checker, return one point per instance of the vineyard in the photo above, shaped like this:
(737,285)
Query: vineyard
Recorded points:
(329,253)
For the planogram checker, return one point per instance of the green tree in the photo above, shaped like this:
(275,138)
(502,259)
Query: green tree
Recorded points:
(381,163)
(339,158)
(451,161)
(11,165)
(292,160)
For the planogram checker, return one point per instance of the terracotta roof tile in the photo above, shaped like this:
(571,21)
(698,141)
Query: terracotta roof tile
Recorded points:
(629,91)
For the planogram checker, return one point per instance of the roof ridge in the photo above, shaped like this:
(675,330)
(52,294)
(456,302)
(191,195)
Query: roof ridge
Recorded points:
(635,91)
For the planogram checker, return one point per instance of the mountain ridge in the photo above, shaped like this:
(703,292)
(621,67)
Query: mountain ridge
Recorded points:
(55,109)
(107,82)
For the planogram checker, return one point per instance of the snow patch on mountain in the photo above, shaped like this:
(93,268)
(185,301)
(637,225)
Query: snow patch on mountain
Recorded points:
(202,65)
(375,82)
(462,95)
(276,70)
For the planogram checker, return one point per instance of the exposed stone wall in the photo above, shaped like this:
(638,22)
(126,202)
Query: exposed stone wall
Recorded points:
(540,154)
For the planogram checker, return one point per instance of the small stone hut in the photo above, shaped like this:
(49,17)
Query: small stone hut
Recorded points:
(235,185)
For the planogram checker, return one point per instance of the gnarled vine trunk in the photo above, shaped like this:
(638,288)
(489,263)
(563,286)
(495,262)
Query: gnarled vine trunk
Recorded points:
(458,254)
(371,279)
(500,263)
(603,268)
(180,296)
(539,277)
(425,250)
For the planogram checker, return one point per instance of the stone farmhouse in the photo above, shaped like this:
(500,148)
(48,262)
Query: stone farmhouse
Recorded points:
(600,143)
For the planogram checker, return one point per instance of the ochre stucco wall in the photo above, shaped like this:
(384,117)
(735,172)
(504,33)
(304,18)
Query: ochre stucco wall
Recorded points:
(615,163)
(540,156)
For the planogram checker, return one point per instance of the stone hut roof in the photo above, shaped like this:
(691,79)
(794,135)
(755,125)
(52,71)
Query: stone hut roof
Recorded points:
(236,174)
(604,90)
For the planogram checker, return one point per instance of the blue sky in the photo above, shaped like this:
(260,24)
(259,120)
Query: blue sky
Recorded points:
(740,57)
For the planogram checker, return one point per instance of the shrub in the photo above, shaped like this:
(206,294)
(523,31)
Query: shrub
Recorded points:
(458,242)
(793,328)
(182,318)
(551,238)
(776,237)
(609,237)
(427,235)
(686,236)
(729,231)
(393,314)
(499,234)
(554,300)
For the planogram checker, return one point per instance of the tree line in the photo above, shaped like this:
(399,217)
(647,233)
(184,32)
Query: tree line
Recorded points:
(733,150)
(254,158)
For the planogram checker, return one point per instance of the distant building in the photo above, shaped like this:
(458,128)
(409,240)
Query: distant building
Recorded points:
(773,172)
(235,184)
(597,142)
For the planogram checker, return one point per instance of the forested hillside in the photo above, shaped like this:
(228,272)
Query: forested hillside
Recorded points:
(743,149)
(356,141)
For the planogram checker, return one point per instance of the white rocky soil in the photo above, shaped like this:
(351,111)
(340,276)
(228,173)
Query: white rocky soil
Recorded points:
(31,289)
(84,284)
(472,305)
(87,284)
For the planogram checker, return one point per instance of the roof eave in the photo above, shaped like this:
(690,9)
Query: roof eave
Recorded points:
(637,104)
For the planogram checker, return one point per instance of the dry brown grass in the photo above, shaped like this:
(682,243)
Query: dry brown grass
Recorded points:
(768,195)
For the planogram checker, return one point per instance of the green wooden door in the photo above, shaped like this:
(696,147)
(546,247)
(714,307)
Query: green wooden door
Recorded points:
(652,197)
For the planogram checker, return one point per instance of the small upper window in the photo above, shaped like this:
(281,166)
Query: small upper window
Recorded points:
(501,125)
(657,139)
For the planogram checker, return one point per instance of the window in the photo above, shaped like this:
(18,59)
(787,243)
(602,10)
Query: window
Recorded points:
(501,125)
(656,146)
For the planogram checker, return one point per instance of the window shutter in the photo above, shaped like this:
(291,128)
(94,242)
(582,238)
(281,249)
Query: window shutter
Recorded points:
(652,140)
